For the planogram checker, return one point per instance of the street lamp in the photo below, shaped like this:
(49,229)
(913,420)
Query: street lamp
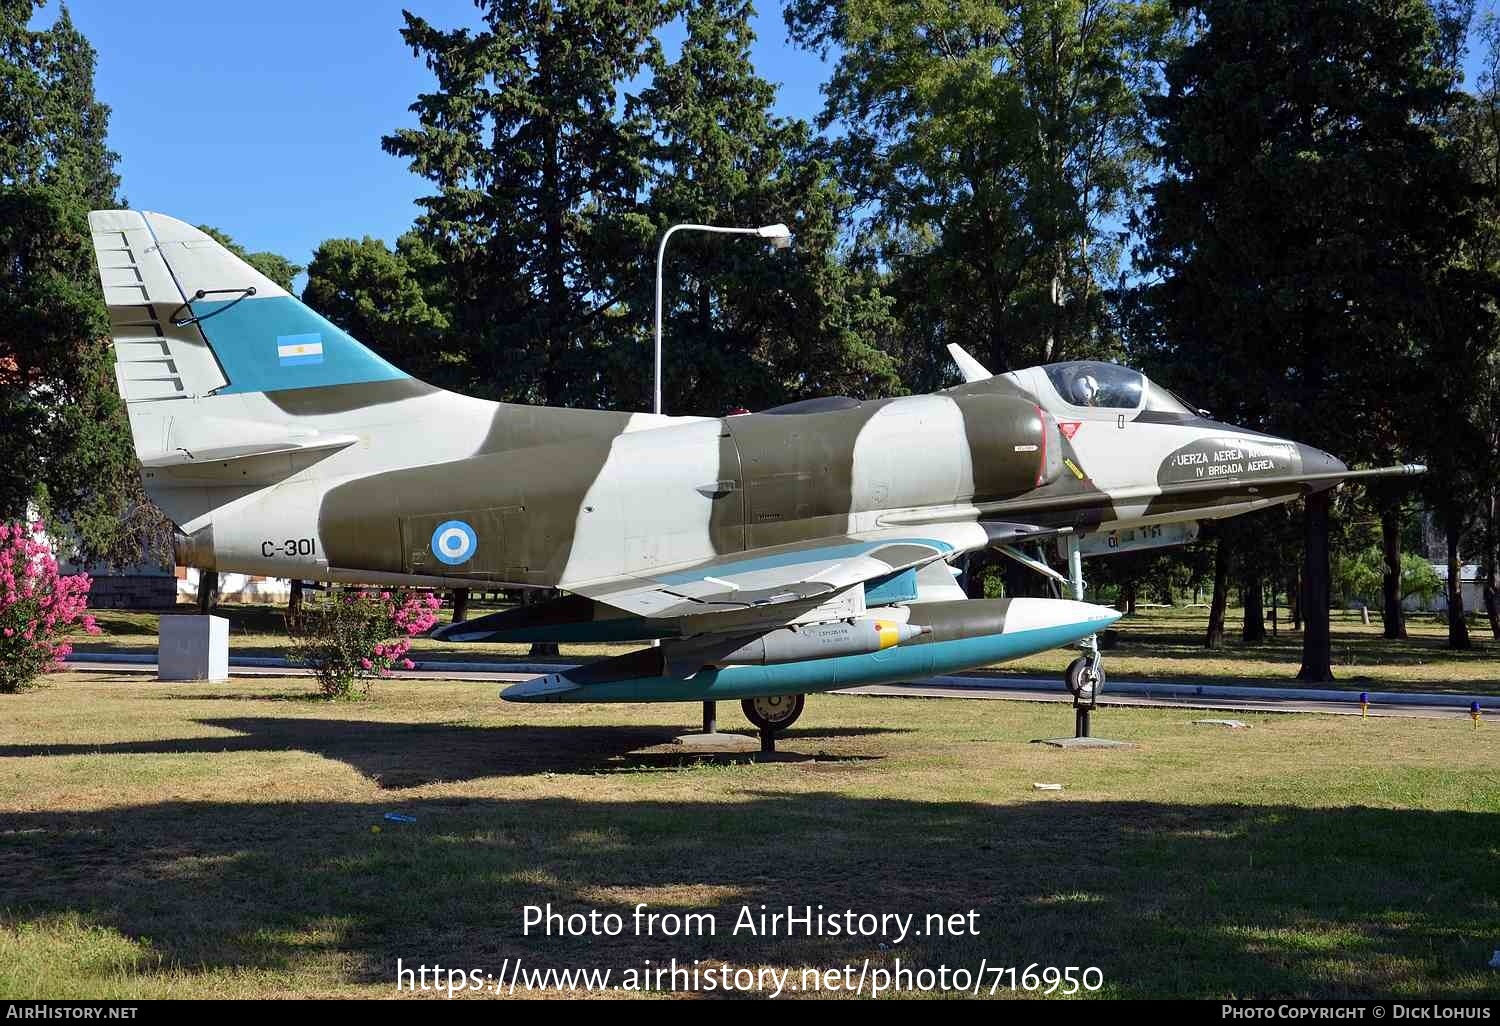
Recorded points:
(778,235)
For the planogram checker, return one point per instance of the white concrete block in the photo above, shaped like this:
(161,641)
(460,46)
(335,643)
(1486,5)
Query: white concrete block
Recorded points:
(193,648)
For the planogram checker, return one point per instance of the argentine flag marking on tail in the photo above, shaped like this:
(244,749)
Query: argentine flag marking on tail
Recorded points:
(295,350)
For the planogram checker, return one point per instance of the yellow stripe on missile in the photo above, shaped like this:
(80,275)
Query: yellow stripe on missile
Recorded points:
(889,635)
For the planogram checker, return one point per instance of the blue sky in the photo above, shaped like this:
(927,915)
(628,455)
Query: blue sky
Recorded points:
(264,119)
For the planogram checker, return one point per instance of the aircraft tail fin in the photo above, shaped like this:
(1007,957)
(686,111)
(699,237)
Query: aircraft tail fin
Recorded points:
(201,340)
(191,319)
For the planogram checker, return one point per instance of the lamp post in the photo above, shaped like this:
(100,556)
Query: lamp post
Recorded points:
(779,236)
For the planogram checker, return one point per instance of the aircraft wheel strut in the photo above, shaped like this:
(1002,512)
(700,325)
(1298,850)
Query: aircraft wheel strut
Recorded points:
(1085,678)
(773,712)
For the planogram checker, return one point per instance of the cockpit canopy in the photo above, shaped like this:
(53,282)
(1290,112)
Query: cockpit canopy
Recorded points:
(1109,386)
(1091,383)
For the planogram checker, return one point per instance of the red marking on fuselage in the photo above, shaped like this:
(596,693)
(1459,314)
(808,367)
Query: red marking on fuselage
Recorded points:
(1041,466)
(1069,428)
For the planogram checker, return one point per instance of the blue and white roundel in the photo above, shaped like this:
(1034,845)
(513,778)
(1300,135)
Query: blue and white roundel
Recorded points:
(454,542)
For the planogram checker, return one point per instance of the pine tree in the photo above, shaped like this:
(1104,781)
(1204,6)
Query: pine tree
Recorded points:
(744,325)
(536,218)
(1306,209)
(388,299)
(62,425)
(995,145)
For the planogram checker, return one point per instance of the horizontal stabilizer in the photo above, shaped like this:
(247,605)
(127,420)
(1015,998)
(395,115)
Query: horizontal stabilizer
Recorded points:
(183,457)
(167,438)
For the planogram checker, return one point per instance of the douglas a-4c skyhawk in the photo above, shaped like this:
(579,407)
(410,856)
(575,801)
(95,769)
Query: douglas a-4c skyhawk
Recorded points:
(794,550)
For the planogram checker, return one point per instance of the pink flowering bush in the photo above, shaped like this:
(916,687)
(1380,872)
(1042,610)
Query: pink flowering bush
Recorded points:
(352,637)
(38,608)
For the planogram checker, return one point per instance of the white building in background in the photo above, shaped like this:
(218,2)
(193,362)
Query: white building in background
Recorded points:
(151,586)
(1471,588)
(235,588)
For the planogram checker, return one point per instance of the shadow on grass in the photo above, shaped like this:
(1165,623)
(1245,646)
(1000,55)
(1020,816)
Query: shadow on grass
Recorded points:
(1369,649)
(300,697)
(400,755)
(243,619)
(120,628)
(685,758)
(1166,899)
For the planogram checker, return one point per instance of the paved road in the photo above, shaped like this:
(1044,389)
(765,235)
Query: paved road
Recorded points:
(993,688)
(1229,698)
(143,669)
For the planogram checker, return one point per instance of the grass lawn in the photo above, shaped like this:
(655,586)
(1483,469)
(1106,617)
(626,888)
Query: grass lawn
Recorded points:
(1157,643)
(218,840)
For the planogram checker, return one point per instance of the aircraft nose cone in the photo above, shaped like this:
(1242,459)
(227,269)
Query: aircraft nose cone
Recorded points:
(1316,461)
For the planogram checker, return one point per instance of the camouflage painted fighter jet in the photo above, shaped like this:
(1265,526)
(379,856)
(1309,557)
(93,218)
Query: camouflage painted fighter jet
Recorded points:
(795,550)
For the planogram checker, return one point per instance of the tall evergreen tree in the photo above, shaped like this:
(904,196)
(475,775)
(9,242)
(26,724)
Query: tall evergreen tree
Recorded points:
(388,299)
(62,425)
(1306,201)
(743,325)
(1471,404)
(538,175)
(997,146)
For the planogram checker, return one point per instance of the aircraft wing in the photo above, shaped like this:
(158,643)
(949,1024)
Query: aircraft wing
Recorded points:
(805,572)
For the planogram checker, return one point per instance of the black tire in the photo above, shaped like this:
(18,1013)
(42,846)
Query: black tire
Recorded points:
(773,712)
(1074,678)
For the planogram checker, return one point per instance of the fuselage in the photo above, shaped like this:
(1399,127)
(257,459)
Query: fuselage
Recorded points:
(442,489)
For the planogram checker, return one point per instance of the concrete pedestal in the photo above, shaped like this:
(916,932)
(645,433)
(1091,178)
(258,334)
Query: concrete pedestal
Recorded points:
(1083,742)
(193,648)
(718,744)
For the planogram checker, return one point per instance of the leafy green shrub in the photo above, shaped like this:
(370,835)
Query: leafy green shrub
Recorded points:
(352,637)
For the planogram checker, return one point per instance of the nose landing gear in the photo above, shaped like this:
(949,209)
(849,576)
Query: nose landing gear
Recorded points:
(1085,679)
(1085,675)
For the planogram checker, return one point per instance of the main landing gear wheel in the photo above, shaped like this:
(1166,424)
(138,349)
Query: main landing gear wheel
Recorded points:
(773,713)
(1085,678)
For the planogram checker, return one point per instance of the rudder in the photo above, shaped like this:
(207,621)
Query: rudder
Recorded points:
(191,319)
